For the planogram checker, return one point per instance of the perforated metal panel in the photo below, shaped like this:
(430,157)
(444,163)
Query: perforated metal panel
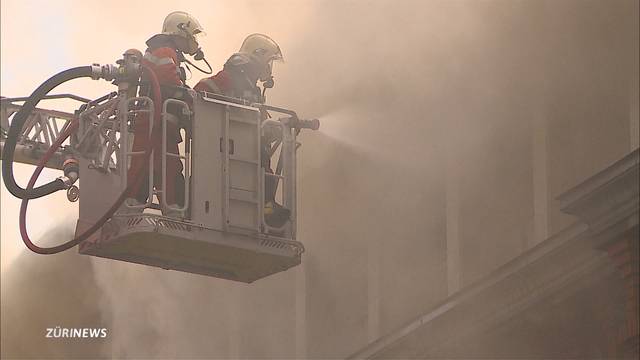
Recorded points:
(227,184)
(177,245)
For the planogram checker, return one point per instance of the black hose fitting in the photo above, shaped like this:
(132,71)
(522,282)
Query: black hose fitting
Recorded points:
(71,169)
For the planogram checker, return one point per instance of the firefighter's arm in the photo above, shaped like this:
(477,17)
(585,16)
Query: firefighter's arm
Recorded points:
(208,85)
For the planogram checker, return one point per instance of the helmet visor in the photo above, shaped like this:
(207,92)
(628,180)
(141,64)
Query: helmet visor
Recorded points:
(277,56)
(198,33)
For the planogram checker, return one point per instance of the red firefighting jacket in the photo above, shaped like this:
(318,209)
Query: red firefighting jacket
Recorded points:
(219,83)
(233,80)
(164,62)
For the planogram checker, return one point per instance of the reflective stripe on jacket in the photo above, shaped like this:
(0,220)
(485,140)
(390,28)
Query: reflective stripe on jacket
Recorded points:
(164,61)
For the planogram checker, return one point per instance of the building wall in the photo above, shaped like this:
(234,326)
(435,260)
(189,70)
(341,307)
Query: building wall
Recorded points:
(568,111)
(540,101)
(589,106)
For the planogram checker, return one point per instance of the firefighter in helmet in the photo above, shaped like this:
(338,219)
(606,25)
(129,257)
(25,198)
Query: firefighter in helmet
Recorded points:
(239,78)
(241,72)
(164,55)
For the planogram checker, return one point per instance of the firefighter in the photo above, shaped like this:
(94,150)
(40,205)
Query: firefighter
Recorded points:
(243,69)
(238,79)
(164,55)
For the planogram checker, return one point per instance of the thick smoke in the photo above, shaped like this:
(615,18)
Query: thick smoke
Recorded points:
(401,86)
(40,292)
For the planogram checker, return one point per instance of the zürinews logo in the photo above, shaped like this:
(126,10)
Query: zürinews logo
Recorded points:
(75,333)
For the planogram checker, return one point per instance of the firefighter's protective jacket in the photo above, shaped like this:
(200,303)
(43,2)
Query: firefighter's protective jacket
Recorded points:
(234,80)
(163,59)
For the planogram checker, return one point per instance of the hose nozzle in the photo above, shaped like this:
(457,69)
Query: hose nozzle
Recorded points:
(295,123)
(313,124)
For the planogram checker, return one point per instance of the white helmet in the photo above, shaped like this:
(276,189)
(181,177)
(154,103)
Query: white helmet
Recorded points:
(183,26)
(261,46)
(264,49)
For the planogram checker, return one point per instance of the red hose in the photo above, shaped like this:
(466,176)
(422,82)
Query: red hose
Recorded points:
(134,185)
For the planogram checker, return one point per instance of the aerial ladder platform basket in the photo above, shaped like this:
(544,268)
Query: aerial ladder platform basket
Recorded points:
(220,229)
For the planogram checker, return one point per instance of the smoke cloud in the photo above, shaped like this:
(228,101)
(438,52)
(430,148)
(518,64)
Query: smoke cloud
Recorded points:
(41,292)
(401,87)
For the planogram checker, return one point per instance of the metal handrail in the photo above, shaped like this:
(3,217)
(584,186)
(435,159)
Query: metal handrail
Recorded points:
(226,181)
(90,131)
(124,136)
(48,97)
(187,168)
(283,130)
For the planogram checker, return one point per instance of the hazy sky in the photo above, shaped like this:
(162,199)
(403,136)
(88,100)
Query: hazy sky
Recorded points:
(30,53)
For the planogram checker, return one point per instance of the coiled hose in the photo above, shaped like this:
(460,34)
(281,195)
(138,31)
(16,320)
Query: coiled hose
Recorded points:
(16,129)
(157,97)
